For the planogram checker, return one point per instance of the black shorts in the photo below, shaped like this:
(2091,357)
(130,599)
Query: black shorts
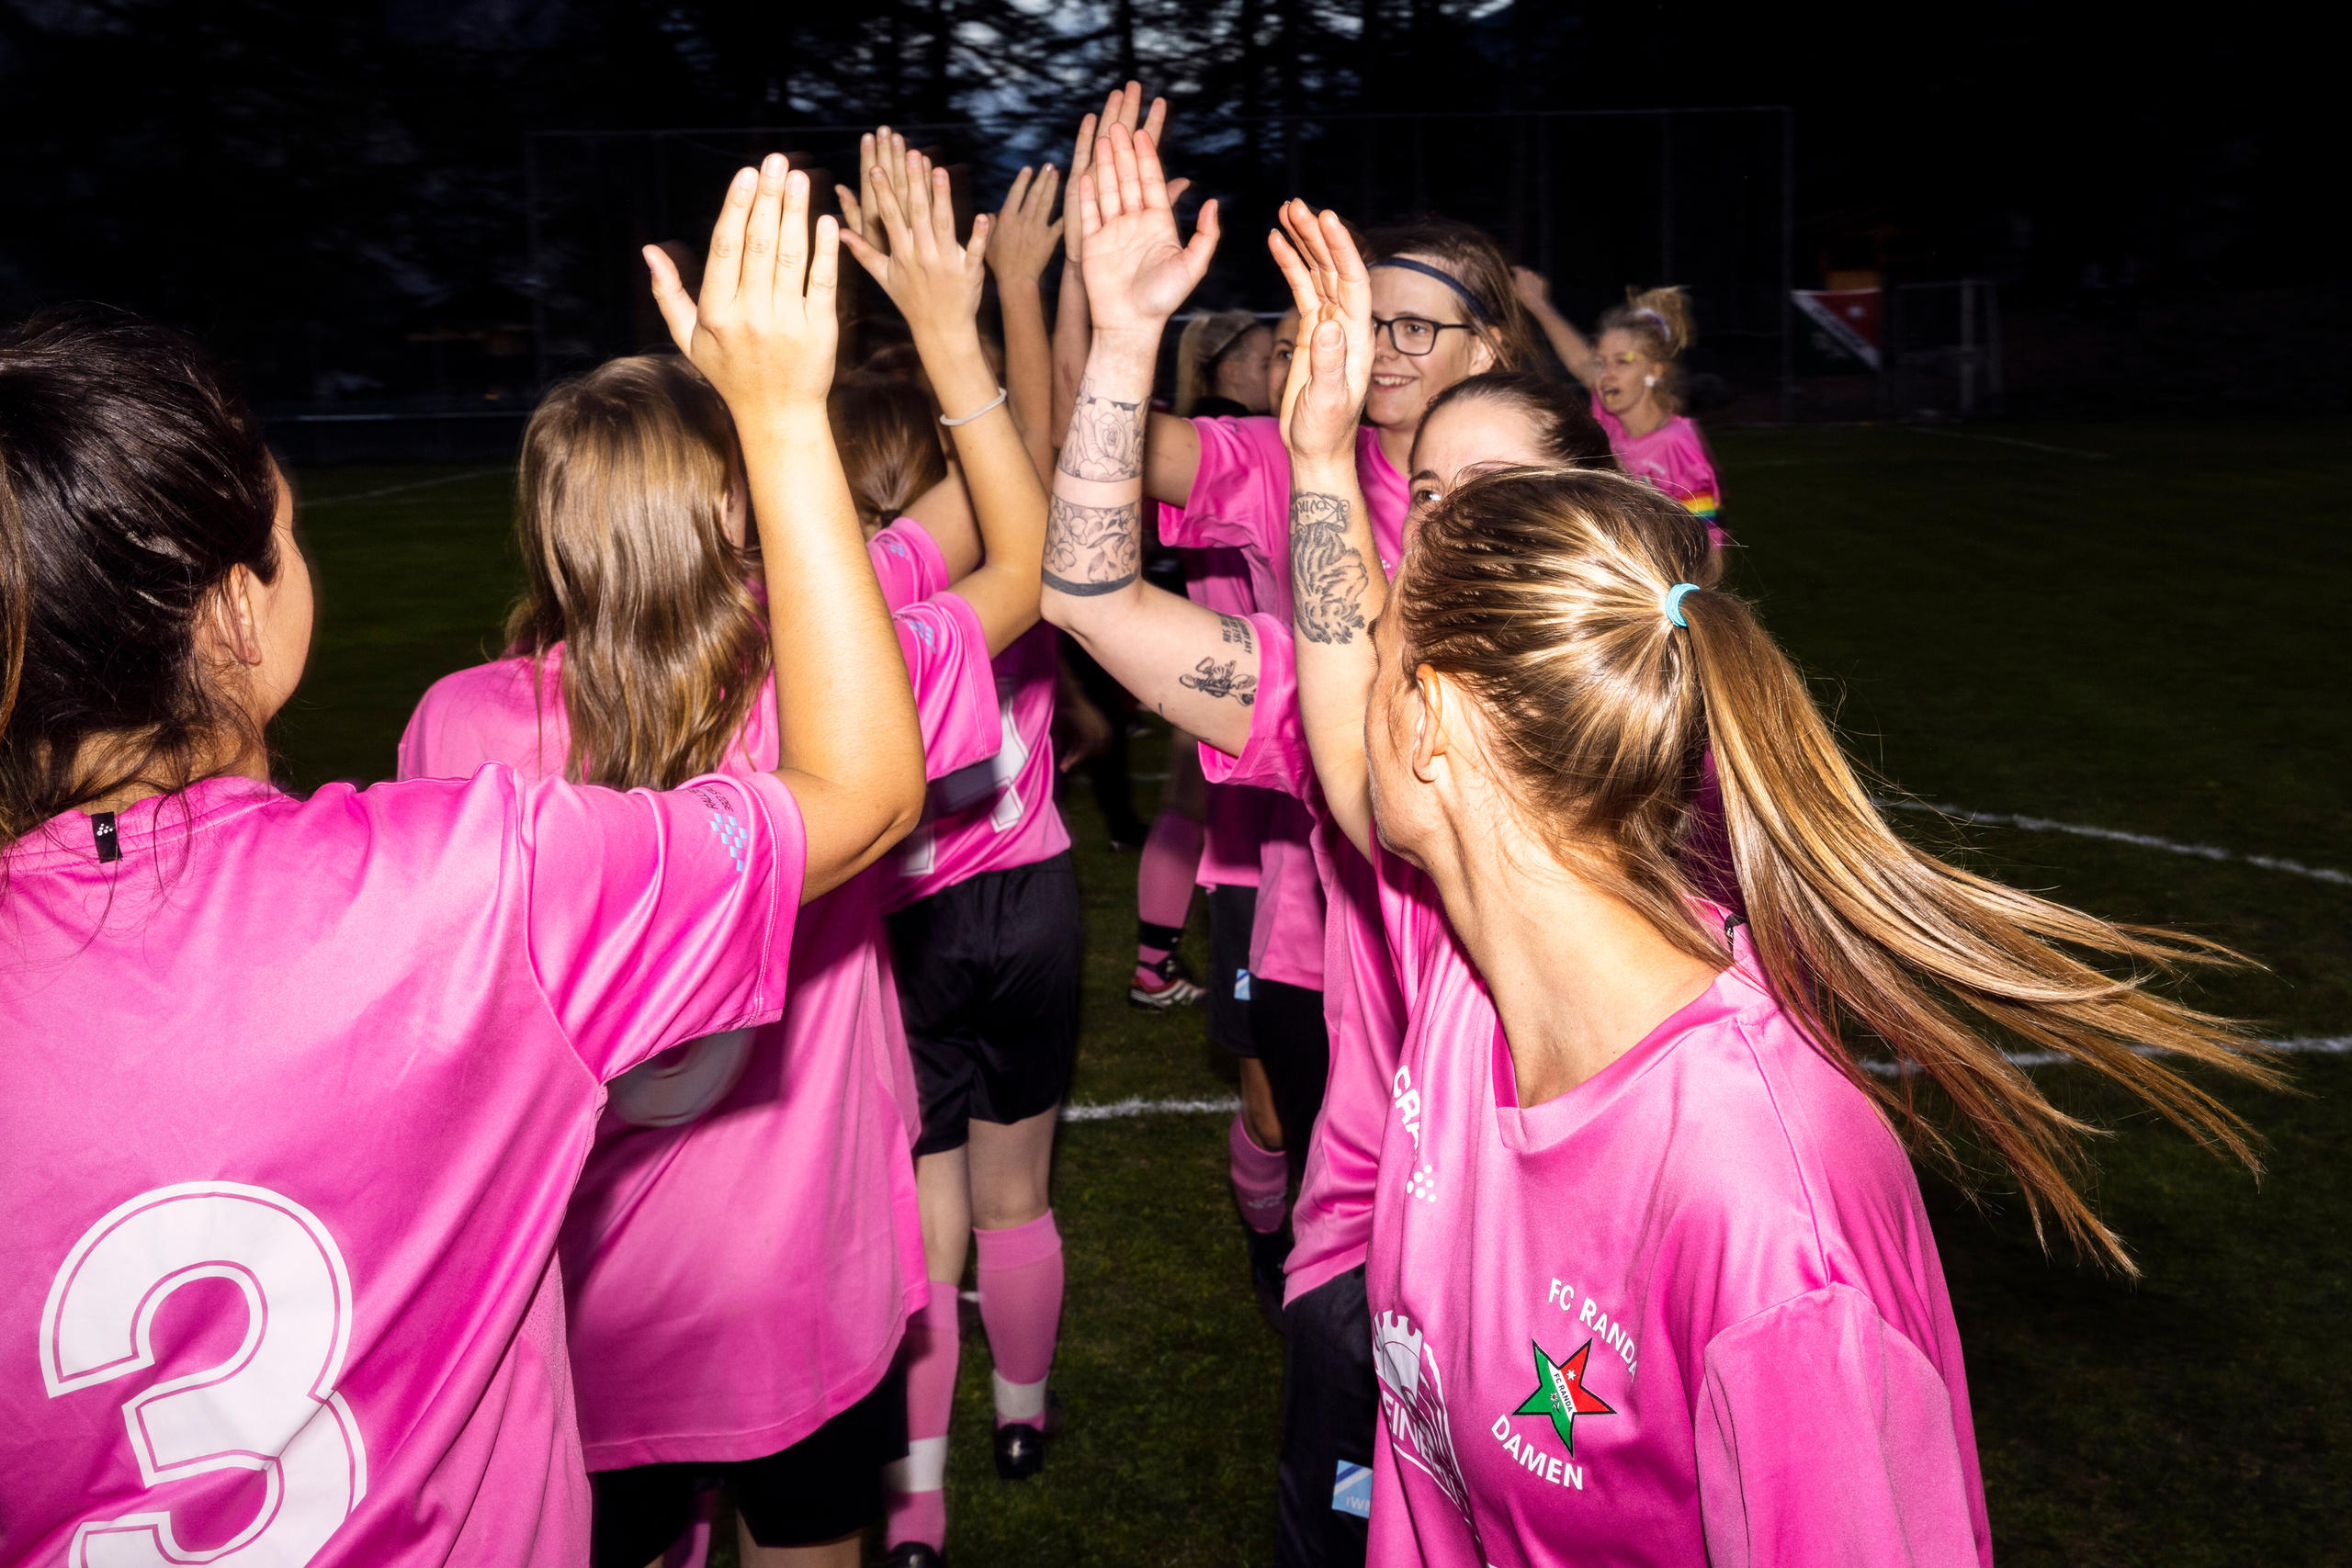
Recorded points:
(1287,1023)
(826,1486)
(1330,1406)
(987,983)
(1232,910)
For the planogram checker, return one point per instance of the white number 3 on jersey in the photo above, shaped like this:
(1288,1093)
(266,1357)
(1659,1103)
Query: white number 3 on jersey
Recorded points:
(270,1407)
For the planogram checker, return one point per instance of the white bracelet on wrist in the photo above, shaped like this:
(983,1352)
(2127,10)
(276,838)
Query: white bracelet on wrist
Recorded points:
(976,413)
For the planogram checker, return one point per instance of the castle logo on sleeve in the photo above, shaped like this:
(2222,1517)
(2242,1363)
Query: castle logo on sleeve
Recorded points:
(1412,1398)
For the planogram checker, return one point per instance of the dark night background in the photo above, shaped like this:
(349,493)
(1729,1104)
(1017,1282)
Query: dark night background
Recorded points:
(333,195)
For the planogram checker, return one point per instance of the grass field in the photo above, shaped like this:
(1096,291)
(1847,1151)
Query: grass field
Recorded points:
(2132,626)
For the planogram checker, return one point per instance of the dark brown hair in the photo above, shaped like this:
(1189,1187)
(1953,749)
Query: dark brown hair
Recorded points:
(138,480)
(621,515)
(1563,415)
(887,428)
(1543,593)
(1469,256)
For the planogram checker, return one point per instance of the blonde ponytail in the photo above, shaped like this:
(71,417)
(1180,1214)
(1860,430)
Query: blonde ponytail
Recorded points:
(1662,321)
(1545,594)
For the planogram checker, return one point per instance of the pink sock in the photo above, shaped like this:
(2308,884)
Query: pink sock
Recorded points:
(1172,858)
(1021,1306)
(1260,1180)
(918,1503)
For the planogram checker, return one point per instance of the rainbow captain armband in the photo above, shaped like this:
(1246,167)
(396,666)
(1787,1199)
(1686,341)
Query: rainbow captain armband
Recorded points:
(1701,504)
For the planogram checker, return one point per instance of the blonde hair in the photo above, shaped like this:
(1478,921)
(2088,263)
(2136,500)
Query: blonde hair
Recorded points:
(1542,592)
(1662,322)
(1207,340)
(622,522)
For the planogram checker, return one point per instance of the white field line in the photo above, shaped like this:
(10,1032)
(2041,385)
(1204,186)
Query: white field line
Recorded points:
(2007,441)
(420,484)
(1136,1106)
(2117,835)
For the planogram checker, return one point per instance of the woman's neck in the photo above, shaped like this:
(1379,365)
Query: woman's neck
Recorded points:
(107,757)
(1645,418)
(1397,444)
(1579,977)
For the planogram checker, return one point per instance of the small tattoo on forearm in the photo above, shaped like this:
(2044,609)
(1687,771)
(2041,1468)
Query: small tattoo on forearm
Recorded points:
(1091,549)
(1328,575)
(1212,679)
(1105,438)
(1236,629)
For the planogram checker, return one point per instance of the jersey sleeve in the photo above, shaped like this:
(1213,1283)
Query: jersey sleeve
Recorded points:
(1240,491)
(1826,1438)
(1275,756)
(657,916)
(907,563)
(946,651)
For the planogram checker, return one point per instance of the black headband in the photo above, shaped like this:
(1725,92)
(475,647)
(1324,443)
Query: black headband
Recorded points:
(1477,305)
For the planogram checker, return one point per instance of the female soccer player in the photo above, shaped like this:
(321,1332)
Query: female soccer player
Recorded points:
(1200,669)
(1634,370)
(985,931)
(298,1090)
(1628,1129)
(1222,363)
(703,1341)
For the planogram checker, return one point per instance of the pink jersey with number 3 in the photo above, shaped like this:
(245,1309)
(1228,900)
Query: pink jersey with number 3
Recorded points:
(746,1241)
(294,1099)
(1688,1312)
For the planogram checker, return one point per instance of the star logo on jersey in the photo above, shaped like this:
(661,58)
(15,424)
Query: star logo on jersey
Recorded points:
(1560,1393)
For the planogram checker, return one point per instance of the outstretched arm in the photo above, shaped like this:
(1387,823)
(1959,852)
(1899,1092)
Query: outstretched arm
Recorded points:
(764,333)
(1574,348)
(1337,587)
(935,283)
(1196,667)
(1019,248)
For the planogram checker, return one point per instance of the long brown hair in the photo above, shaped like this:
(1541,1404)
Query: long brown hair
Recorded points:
(1543,592)
(12,599)
(887,429)
(622,520)
(1470,256)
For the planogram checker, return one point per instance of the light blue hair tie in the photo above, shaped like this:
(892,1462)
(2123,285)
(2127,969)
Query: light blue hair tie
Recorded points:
(1674,602)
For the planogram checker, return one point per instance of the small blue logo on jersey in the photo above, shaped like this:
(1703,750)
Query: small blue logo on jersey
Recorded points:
(1241,984)
(730,832)
(922,630)
(1351,1490)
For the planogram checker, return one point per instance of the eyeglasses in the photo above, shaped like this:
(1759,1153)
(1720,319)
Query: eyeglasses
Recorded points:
(1414,335)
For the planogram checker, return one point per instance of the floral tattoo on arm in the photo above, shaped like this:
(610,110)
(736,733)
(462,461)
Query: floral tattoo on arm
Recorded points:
(1105,438)
(1091,549)
(1328,575)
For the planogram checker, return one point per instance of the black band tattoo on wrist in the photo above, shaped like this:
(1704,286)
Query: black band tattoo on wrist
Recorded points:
(1212,679)
(1105,439)
(1091,549)
(1327,573)
(1234,629)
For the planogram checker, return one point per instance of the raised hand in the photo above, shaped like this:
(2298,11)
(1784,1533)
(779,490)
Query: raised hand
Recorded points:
(1025,232)
(934,281)
(1137,270)
(882,149)
(1122,106)
(1534,289)
(764,329)
(1331,370)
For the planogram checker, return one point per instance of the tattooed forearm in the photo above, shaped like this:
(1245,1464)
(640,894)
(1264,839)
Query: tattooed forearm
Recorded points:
(1091,549)
(1212,679)
(1236,629)
(1105,438)
(1327,573)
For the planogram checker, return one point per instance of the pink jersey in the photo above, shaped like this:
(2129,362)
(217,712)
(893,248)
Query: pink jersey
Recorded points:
(1219,578)
(1672,458)
(296,1093)
(1722,1206)
(746,1243)
(1240,499)
(1362,1008)
(998,812)
(907,563)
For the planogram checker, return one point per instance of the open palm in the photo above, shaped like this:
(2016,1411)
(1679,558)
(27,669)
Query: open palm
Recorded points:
(1137,270)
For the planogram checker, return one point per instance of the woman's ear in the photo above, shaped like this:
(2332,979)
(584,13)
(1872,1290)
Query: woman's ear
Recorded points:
(1432,704)
(237,625)
(1482,355)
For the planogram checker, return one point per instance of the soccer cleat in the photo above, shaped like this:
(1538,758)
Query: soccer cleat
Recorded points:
(1021,1447)
(915,1554)
(1175,988)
